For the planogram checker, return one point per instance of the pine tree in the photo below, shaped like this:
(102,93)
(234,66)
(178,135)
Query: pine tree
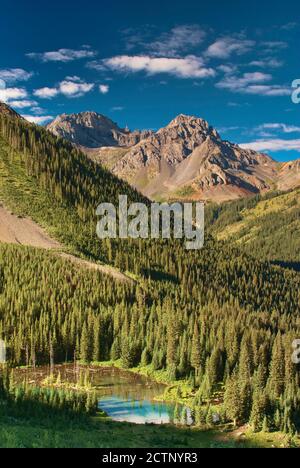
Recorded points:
(84,345)
(277,369)
(96,343)
(232,400)
(258,411)
(196,350)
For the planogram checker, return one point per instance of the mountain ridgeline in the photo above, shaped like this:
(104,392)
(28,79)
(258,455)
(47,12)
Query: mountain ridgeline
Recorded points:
(187,159)
(92,130)
(216,317)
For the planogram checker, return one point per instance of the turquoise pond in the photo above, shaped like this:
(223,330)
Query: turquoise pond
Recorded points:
(131,398)
(122,395)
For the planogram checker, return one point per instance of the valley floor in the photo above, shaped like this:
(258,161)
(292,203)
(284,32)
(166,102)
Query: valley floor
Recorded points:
(102,432)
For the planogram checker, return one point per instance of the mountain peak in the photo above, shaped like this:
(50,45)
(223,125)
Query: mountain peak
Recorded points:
(183,119)
(93,130)
(84,118)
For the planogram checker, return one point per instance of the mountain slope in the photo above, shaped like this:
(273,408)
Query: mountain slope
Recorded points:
(49,181)
(189,155)
(187,159)
(217,314)
(266,227)
(92,130)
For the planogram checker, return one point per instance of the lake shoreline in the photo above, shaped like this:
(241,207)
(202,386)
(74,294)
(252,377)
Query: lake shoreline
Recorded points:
(222,435)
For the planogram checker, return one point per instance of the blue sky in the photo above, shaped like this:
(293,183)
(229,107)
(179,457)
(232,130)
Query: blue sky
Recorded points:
(143,63)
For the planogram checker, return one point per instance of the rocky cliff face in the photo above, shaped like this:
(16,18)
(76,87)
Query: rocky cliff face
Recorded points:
(289,175)
(187,159)
(92,130)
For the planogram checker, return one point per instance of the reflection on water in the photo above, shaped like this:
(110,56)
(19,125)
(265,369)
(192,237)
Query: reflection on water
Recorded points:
(137,411)
(127,397)
(123,396)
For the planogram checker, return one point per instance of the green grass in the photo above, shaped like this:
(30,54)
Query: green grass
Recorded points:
(100,432)
(268,227)
(21,194)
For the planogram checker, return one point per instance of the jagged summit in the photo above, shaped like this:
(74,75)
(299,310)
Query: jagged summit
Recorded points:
(93,130)
(183,119)
(185,159)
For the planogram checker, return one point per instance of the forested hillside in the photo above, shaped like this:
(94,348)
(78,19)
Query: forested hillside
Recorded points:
(267,227)
(198,327)
(216,316)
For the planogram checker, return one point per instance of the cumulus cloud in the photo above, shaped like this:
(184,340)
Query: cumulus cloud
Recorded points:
(273,145)
(70,87)
(226,46)
(104,89)
(233,82)
(11,75)
(63,55)
(39,120)
(8,94)
(253,83)
(22,104)
(46,93)
(187,67)
(74,88)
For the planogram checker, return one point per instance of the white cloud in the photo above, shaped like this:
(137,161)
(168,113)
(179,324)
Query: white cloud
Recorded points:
(104,89)
(63,55)
(228,129)
(274,45)
(173,43)
(227,46)
(39,120)
(70,87)
(74,89)
(46,93)
(273,145)
(9,94)
(22,104)
(73,78)
(11,75)
(267,63)
(279,126)
(179,39)
(253,83)
(188,67)
(232,82)
(37,110)
(227,69)
(268,90)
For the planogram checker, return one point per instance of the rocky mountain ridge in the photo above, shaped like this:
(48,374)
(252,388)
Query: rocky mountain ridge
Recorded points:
(187,159)
(93,130)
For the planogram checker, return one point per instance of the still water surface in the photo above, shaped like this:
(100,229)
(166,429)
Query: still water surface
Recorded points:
(123,396)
